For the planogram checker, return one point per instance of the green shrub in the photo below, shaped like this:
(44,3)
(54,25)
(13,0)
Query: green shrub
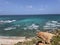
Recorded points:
(55,40)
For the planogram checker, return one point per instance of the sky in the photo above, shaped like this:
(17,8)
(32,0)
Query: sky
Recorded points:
(29,7)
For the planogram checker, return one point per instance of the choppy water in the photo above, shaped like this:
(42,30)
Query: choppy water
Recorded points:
(22,25)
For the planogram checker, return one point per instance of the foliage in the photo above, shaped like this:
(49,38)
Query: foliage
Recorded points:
(55,40)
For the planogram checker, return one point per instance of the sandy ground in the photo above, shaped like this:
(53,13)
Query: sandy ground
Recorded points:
(11,40)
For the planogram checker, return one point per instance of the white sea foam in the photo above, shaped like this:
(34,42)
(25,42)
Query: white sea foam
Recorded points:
(58,25)
(10,28)
(54,21)
(52,25)
(31,27)
(7,21)
(48,23)
(17,25)
(46,26)
(25,28)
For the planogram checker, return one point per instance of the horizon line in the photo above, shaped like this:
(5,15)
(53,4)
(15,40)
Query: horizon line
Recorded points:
(29,14)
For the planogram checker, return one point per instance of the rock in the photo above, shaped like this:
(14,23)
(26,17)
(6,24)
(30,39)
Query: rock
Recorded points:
(45,36)
(40,43)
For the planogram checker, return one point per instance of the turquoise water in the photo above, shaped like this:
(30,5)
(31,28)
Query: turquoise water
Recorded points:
(22,25)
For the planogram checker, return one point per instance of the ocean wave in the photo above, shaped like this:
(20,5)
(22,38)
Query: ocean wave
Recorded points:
(51,25)
(54,21)
(10,28)
(7,21)
(17,25)
(31,27)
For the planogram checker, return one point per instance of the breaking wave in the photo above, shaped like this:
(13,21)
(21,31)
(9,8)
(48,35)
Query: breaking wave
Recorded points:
(52,25)
(31,27)
(10,28)
(6,21)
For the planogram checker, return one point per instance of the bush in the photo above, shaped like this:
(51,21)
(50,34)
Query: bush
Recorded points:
(55,40)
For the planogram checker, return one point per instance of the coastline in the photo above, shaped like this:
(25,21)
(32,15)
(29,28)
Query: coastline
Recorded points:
(7,40)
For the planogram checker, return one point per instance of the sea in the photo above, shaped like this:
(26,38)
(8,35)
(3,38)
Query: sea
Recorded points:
(27,25)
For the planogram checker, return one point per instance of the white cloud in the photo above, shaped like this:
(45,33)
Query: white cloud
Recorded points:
(29,6)
(41,9)
(6,2)
(1,10)
(21,6)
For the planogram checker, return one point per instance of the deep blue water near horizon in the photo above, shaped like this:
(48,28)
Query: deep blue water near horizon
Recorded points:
(22,25)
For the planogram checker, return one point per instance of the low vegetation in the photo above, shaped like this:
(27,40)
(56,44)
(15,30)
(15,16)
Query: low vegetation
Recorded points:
(55,40)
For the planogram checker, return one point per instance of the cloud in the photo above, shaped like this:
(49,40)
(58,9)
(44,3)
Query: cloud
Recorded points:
(6,2)
(41,9)
(0,10)
(29,6)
